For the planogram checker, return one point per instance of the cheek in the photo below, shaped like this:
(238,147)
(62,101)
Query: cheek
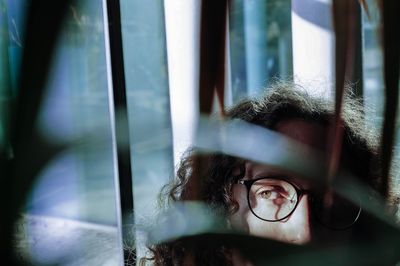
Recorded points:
(262,228)
(238,219)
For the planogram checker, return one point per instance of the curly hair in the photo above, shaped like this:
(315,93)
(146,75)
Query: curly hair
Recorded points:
(282,101)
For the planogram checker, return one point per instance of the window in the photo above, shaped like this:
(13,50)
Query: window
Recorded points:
(73,198)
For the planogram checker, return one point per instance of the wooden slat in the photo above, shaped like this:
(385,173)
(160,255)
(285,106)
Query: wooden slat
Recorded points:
(391,52)
(212,53)
(344,18)
(212,73)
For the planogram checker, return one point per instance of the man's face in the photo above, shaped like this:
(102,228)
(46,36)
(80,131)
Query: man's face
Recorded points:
(298,227)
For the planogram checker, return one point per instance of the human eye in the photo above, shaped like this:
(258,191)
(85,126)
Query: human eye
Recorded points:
(271,193)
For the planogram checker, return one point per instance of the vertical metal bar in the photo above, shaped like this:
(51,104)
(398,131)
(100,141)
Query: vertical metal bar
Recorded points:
(345,21)
(119,123)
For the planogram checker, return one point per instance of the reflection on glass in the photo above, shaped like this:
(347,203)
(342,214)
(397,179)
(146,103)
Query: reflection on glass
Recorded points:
(76,108)
(12,14)
(145,59)
(71,212)
(260,44)
(372,64)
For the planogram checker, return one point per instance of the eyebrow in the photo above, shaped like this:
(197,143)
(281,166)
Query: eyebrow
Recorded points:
(276,172)
(304,184)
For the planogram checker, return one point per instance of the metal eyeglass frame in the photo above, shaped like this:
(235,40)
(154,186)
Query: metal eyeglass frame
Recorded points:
(299,192)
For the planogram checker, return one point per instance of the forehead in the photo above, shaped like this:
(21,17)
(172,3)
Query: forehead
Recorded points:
(308,133)
(255,170)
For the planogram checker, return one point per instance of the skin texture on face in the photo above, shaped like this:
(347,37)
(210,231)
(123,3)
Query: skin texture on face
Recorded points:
(297,228)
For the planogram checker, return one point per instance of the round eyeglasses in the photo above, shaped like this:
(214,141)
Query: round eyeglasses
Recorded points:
(275,199)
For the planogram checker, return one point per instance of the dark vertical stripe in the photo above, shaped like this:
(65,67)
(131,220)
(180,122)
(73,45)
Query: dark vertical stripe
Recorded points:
(344,19)
(391,57)
(212,73)
(212,52)
(121,122)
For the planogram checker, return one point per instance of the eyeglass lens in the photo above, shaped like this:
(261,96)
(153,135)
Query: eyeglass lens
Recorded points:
(275,199)
(338,213)
(272,199)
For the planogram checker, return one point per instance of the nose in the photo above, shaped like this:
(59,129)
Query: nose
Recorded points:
(298,227)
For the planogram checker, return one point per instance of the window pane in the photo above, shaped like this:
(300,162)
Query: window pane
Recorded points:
(260,44)
(145,58)
(71,208)
(12,15)
(372,65)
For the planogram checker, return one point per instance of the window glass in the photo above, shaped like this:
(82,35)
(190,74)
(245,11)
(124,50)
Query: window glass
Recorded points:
(260,44)
(76,106)
(72,204)
(12,15)
(372,65)
(145,59)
